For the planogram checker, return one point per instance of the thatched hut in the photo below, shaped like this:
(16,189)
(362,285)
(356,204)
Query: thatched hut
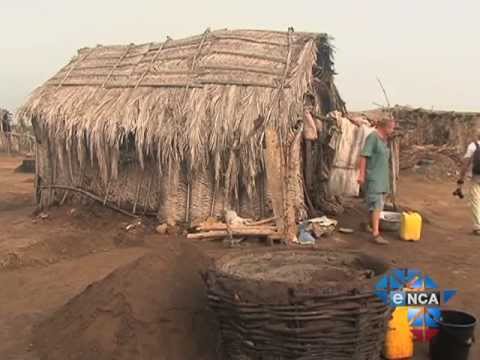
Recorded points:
(5,130)
(15,138)
(185,128)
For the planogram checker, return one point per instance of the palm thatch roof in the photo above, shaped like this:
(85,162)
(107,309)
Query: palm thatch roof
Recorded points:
(183,100)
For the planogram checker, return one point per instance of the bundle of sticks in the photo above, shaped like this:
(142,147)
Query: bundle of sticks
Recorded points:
(217,230)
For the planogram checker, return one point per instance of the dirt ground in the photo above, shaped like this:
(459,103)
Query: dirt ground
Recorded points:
(45,262)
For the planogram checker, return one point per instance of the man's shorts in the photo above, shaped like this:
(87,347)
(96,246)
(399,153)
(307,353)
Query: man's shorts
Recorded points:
(375,201)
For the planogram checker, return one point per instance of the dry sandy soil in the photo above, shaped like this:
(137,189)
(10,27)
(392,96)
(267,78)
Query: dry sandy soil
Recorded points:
(44,263)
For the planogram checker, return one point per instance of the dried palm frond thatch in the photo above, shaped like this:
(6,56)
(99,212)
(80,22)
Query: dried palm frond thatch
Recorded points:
(192,101)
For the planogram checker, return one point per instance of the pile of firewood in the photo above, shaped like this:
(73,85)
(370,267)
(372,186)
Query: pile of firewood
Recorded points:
(214,229)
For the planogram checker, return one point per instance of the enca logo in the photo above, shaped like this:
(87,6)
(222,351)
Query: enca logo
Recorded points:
(415,298)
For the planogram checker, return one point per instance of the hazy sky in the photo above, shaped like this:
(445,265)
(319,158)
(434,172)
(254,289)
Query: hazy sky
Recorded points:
(426,52)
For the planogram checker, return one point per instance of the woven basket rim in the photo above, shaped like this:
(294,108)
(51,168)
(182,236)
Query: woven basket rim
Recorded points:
(230,285)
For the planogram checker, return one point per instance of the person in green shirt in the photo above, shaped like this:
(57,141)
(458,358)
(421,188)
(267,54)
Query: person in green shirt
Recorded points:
(374,173)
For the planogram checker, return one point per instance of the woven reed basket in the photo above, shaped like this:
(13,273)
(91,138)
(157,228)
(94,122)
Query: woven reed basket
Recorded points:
(298,304)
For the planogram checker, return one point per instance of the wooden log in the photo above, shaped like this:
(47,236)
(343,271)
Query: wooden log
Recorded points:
(261,222)
(220,226)
(234,232)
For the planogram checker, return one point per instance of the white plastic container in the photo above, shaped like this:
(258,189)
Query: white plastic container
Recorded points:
(390,221)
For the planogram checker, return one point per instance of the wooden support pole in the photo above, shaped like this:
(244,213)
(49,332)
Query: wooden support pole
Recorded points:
(146,203)
(170,203)
(262,195)
(106,193)
(292,175)
(275,182)
(214,196)
(136,195)
(37,176)
(189,199)
(308,166)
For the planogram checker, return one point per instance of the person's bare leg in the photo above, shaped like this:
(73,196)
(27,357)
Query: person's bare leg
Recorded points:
(367,224)
(375,223)
(377,238)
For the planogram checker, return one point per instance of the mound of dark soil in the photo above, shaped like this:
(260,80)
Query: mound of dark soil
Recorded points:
(153,308)
(301,267)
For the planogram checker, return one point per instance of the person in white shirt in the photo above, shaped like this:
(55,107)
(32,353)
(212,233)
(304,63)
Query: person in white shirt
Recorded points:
(472,160)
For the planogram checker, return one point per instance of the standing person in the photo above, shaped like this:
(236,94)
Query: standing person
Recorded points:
(472,160)
(374,173)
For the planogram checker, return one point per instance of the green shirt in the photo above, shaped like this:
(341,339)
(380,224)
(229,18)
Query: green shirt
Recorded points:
(378,164)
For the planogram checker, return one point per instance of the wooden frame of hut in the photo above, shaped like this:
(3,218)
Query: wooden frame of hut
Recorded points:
(186,128)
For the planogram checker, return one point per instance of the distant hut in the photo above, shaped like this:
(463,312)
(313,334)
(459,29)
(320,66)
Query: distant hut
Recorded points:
(5,130)
(6,121)
(186,128)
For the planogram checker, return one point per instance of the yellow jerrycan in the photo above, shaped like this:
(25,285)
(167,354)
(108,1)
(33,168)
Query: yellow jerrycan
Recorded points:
(399,338)
(411,226)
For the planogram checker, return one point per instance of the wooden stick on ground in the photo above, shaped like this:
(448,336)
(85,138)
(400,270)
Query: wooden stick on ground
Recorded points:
(221,226)
(89,195)
(261,222)
(234,232)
